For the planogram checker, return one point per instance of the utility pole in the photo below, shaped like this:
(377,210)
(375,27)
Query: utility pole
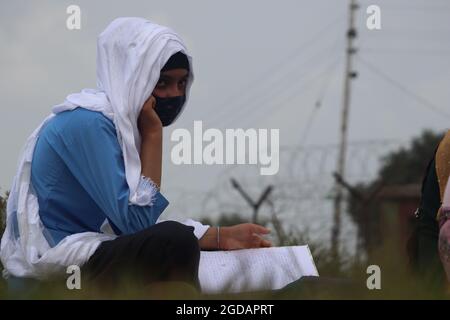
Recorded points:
(349,75)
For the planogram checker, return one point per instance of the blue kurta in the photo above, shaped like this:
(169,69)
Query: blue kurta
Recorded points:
(78,174)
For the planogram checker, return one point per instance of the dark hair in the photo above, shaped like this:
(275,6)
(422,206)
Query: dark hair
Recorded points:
(177,61)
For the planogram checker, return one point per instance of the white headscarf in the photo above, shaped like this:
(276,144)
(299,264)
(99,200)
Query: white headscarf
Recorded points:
(130,55)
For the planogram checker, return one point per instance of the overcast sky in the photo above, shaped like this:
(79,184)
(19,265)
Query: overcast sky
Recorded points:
(258,64)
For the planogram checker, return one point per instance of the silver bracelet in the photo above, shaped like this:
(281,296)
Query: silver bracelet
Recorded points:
(218,238)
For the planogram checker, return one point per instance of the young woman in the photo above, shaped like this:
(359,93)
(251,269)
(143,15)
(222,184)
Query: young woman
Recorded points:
(87,189)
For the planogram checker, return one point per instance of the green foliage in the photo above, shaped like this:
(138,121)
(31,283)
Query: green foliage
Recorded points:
(400,167)
(339,279)
(408,165)
(343,277)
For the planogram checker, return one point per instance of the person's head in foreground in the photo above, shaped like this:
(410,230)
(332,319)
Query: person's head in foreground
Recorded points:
(87,189)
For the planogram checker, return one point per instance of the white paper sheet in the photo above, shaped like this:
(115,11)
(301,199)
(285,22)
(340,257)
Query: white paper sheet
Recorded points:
(254,269)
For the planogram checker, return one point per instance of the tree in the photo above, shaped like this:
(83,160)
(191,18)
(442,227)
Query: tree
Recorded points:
(408,165)
(400,167)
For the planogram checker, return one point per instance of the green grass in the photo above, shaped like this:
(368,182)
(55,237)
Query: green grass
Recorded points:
(342,277)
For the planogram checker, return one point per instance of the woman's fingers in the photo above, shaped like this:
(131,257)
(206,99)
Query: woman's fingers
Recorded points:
(260,241)
(266,243)
(260,229)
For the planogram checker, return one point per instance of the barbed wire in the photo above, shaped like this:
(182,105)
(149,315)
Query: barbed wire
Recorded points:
(303,184)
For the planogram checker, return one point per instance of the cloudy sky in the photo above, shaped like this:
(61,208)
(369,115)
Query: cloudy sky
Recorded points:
(258,64)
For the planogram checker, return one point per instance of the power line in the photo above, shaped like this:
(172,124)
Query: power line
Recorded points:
(256,99)
(421,100)
(252,102)
(413,6)
(309,82)
(268,73)
(431,38)
(264,107)
(422,9)
(312,116)
(317,105)
(404,51)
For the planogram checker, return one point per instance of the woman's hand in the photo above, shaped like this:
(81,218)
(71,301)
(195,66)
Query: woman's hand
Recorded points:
(243,236)
(148,121)
(150,128)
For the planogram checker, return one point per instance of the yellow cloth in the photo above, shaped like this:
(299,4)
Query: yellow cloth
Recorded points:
(442,162)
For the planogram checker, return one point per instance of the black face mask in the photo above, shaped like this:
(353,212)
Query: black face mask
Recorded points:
(167,109)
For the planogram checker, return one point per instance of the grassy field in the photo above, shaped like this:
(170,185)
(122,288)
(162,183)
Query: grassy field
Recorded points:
(341,277)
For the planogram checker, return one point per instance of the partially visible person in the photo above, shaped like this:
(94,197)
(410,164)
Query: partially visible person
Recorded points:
(428,247)
(87,190)
(443,216)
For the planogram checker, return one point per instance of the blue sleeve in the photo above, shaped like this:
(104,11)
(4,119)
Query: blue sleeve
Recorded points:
(92,153)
